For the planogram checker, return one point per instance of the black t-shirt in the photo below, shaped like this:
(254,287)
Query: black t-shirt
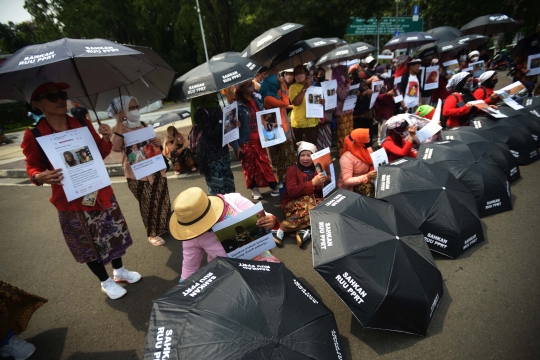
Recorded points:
(79,112)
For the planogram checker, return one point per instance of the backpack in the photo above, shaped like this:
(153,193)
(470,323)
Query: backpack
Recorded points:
(464,120)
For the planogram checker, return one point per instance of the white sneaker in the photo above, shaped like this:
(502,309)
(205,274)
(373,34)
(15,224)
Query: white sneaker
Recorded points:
(124,275)
(256,194)
(112,289)
(18,349)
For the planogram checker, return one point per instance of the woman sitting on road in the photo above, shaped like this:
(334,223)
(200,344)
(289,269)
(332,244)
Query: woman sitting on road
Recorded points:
(177,149)
(398,139)
(303,192)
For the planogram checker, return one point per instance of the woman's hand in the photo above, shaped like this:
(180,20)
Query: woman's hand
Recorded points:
(494,107)
(390,93)
(121,116)
(322,101)
(412,132)
(105,131)
(372,175)
(50,177)
(239,153)
(367,92)
(268,222)
(318,179)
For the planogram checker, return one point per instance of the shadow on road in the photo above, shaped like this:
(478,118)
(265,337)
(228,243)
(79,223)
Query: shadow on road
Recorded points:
(110,355)
(49,344)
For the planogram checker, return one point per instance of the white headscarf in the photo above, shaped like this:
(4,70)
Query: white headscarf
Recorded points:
(485,76)
(395,121)
(304,145)
(133,118)
(454,80)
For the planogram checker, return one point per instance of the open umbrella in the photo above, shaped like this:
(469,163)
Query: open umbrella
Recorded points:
(265,47)
(525,44)
(376,261)
(490,24)
(472,41)
(171,118)
(302,52)
(213,76)
(437,48)
(409,40)
(481,146)
(481,176)
(226,55)
(240,309)
(528,121)
(434,201)
(346,52)
(445,33)
(531,106)
(519,139)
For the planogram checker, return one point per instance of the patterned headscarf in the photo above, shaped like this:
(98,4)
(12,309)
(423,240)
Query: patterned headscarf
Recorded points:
(485,76)
(340,74)
(122,103)
(394,122)
(456,79)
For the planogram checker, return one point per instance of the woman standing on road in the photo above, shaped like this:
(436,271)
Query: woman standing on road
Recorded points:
(96,233)
(151,191)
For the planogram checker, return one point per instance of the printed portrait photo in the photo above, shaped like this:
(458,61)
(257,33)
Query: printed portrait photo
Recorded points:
(76,156)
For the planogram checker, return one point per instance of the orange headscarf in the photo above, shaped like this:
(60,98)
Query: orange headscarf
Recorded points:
(355,143)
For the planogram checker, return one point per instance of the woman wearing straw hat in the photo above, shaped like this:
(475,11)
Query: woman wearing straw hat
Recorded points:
(194,215)
(95,231)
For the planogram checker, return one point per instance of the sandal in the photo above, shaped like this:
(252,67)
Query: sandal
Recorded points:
(156,240)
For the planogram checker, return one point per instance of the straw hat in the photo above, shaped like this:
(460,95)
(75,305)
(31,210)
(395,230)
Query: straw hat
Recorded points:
(194,213)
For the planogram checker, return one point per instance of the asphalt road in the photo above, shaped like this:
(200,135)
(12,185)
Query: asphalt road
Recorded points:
(490,308)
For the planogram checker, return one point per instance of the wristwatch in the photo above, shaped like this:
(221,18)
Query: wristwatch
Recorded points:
(35,181)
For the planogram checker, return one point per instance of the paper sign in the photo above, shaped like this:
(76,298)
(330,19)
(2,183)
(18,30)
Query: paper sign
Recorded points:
(437,116)
(477,68)
(481,105)
(350,101)
(398,96)
(313,107)
(144,158)
(231,132)
(329,93)
(323,164)
(241,237)
(376,87)
(379,157)
(270,127)
(509,94)
(420,76)
(467,69)
(451,67)
(432,78)
(76,153)
(430,129)
(533,64)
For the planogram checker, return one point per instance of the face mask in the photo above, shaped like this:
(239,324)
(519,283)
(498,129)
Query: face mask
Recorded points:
(494,81)
(133,119)
(384,76)
(466,88)
(320,78)
(534,43)
(300,78)
(474,59)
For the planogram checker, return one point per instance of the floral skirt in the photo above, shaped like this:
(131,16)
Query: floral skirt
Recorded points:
(344,128)
(96,235)
(297,213)
(324,136)
(220,179)
(256,166)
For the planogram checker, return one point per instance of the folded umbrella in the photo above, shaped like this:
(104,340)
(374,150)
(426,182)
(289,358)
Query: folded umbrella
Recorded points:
(435,202)
(376,261)
(490,24)
(346,52)
(472,41)
(481,176)
(240,309)
(302,52)
(481,146)
(265,47)
(409,40)
(445,33)
(528,121)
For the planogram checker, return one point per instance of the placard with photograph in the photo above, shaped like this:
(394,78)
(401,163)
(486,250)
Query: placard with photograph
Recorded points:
(350,101)
(314,108)
(376,87)
(76,153)
(241,237)
(323,165)
(509,94)
(533,64)
(451,67)
(270,127)
(432,78)
(231,132)
(481,105)
(329,93)
(398,96)
(144,158)
(478,68)
(379,157)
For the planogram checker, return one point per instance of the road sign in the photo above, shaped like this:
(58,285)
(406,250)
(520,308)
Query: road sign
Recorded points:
(387,26)
(396,33)
(415,10)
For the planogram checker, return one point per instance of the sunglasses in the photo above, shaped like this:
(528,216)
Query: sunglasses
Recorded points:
(52,97)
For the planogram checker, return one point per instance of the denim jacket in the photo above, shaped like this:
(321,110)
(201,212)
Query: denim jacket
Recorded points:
(243,117)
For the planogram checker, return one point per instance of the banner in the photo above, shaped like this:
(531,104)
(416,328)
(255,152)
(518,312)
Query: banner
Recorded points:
(270,127)
(231,132)
(144,158)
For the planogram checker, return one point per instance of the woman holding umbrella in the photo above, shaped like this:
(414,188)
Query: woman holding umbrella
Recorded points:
(151,191)
(96,234)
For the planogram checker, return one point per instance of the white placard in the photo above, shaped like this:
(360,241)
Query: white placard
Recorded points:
(270,127)
(533,64)
(467,69)
(398,96)
(323,164)
(509,94)
(430,129)
(313,107)
(250,240)
(432,78)
(350,101)
(451,67)
(142,157)
(438,110)
(412,92)
(477,68)
(329,93)
(231,132)
(420,76)
(376,87)
(379,157)
(87,172)
(481,105)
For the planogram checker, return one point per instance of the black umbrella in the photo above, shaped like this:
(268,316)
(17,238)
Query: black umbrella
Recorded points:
(482,176)
(525,44)
(409,40)
(490,24)
(376,261)
(302,52)
(213,76)
(432,49)
(445,33)
(472,41)
(265,47)
(531,106)
(434,201)
(528,121)
(346,52)
(481,146)
(519,140)
(226,55)
(171,118)
(240,309)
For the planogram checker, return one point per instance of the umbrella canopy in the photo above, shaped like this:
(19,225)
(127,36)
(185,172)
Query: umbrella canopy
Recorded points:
(481,146)
(525,44)
(171,118)
(434,49)
(409,40)
(519,139)
(435,202)
(528,121)
(482,176)
(490,24)
(346,52)
(265,47)
(531,105)
(149,88)
(239,309)
(472,41)
(302,52)
(226,55)
(213,76)
(89,66)
(445,33)
(376,261)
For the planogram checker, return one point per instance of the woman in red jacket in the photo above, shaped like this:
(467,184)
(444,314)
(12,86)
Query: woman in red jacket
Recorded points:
(486,85)
(397,138)
(96,234)
(303,192)
(457,105)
